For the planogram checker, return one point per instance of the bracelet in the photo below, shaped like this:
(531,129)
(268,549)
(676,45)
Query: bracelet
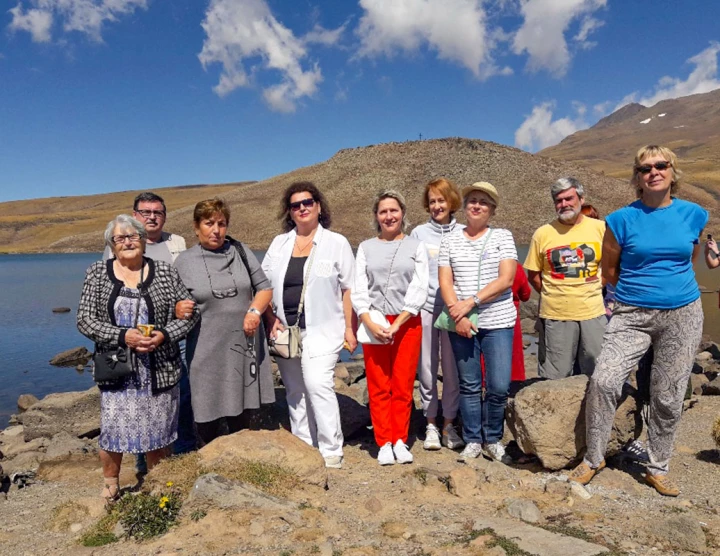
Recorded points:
(254,311)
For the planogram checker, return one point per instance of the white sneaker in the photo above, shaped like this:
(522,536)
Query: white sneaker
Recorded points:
(496,451)
(402,454)
(385,455)
(450,437)
(432,438)
(333,462)
(472,450)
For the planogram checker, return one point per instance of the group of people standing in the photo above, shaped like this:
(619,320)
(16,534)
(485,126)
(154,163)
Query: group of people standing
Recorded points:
(445,296)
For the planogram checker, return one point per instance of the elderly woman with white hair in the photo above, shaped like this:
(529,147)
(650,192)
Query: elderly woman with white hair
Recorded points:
(121,297)
(391,286)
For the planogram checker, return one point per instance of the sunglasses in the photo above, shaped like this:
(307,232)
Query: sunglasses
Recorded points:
(647,168)
(308,203)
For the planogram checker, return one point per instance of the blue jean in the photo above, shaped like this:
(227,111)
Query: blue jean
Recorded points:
(483,419)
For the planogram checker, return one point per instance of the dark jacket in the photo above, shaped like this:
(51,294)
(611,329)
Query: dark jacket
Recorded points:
(162,289)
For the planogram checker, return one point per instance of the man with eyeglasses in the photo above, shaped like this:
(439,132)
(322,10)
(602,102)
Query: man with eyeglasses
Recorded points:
(563,266)
(149,209)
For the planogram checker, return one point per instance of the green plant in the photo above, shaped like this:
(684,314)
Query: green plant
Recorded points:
(197,515)
(569,531)
(510,548)
(148,515)
(421,475)
(101,533)
(314,549)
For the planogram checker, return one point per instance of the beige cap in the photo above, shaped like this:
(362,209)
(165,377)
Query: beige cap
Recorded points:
(485,187)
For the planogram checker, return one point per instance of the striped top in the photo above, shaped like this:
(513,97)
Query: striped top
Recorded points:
(462,256)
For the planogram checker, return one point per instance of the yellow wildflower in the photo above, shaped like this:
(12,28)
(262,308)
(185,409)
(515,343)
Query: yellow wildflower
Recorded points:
(169,484)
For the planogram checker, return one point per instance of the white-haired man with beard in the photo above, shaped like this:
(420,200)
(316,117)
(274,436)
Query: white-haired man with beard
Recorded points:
(563,265)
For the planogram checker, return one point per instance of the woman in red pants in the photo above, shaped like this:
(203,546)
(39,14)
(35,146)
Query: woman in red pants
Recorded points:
(391,286)
(521,292)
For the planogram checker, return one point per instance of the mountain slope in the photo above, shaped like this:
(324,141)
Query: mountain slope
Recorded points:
(351,178)
(690,126)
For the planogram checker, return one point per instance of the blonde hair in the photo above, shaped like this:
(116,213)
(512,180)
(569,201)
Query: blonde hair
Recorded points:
(650,151)
(390,194)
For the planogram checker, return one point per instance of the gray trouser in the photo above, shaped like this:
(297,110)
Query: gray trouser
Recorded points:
(436,349)
(563,342)
(675,335)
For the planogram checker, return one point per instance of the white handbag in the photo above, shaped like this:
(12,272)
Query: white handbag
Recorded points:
(364,336)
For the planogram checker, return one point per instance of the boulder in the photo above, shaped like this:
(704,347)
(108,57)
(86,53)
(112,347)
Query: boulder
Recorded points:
(64,444)
(524,509)
(342,374)
(278,447)
(547,419)
(529,309)
(71,357)
(697,382)
(76,413)
(683,533)
(711,388)
(213,489)
(26,401)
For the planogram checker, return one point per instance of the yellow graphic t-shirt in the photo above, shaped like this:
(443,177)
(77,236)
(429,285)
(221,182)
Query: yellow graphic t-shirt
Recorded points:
(569,259)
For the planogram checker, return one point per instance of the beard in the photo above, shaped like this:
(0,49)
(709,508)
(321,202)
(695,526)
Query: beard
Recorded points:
(568,215)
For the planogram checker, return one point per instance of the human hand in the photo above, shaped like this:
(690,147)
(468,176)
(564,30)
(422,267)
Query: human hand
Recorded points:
(711,246)
(461,308)
(380,333)
(184,308)
(134,339)
(149,343)
(274,328)
(250,324)
(465,328)
(350,340)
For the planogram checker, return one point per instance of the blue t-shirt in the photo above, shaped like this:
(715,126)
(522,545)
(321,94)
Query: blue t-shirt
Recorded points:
(656,268)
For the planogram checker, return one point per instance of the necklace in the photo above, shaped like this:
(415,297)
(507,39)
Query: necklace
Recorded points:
(302,249)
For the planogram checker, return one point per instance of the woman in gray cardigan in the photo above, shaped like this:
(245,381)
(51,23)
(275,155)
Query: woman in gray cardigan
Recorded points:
(227,353)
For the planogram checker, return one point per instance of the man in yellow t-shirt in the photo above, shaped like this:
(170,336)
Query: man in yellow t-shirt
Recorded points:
(563,265)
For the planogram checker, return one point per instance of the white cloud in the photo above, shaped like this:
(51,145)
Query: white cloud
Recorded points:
(542,34)
(539,130)
(456,29)
(242,30)
(703,79)
(327,37)
(36,22)
(84,16)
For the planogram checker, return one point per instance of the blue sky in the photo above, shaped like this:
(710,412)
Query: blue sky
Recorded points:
(109,95)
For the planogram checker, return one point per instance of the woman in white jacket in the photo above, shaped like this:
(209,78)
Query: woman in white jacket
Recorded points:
(309,254)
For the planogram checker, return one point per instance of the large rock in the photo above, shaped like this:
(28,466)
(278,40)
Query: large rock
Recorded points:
(26,401)
(548,420)
(529,308)
(71,357)
(683,533)
(76,413)
(213,489)
(278,447)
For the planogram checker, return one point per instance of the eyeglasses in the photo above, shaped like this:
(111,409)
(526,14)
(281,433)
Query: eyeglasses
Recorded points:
(248,352)
(119,240)
(149,213)
(308,203)
(220,294)
(647,168)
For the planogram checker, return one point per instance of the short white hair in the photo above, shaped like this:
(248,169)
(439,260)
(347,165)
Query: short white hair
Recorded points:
(124,222)
(563,184)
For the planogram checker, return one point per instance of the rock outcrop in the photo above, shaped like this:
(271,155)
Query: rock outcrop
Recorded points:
(547,419)
(76,413)
(72,357)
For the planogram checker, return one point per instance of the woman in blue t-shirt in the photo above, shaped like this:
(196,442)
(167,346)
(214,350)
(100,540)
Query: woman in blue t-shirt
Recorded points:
(648,253)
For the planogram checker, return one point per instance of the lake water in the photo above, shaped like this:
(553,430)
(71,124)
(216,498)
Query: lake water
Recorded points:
(31,285)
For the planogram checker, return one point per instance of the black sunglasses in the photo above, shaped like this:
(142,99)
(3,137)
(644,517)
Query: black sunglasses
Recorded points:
(647,168)
(304,203)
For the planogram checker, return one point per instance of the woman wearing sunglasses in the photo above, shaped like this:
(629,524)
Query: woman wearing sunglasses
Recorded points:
(648,253)
(227,354)
(391,287)
(311,271)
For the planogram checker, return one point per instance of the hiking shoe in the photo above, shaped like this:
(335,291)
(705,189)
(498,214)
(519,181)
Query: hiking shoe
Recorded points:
(333,462)
(432,438)
(636,451)
(583,473)
(385,455)
(450,437)
(496,452)
(472,450)
(663,484)
(402,454)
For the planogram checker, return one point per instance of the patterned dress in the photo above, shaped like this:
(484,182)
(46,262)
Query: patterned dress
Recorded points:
(132,420)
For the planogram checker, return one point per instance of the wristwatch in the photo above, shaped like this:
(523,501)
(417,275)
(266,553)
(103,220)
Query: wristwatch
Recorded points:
(476,300)
(254,311)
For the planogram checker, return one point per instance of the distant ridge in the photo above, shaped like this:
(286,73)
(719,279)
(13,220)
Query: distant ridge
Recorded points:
(351,178)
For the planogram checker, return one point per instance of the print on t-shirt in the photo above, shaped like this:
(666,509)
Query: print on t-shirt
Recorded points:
(573,261)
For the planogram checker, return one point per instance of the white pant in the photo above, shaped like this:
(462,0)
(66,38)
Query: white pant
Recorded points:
(435,348)
(314,410)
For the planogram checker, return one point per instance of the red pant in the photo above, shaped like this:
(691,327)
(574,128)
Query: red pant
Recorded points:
(390,371)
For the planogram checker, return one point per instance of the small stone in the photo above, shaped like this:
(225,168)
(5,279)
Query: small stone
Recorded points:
(373,505)
(256,529)
(394,529)
(119,530)
(580,491)
(76,527)
(71,357)
(524,509)
(407,535)
(554,486)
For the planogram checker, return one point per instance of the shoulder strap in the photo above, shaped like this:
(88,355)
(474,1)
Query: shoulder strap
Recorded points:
(241,251)
(301,305)
(482,253)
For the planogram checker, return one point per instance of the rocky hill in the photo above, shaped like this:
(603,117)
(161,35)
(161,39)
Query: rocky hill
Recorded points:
(688,125)
(351,178)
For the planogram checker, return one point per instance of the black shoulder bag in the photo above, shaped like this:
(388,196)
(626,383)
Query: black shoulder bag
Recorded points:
(117,363)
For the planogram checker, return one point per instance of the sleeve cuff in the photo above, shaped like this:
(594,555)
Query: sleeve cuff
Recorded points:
(121,338)
(412,310)
(166,337)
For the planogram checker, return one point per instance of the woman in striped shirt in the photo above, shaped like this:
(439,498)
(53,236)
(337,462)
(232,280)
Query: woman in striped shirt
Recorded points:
(476,271)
